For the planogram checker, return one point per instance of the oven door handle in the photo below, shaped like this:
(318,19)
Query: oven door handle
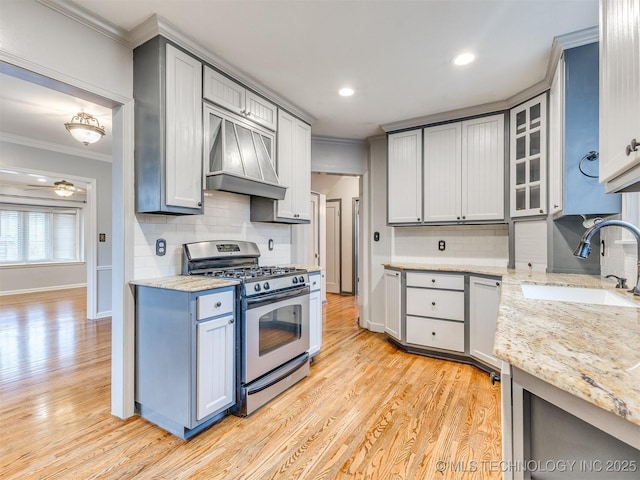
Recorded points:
(275,297)
(267,382)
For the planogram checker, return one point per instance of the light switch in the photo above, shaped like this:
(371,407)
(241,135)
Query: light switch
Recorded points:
(102,237)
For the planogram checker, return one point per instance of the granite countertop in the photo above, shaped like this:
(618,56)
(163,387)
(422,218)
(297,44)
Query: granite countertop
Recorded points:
(186,283)
(197,283)
(590,351)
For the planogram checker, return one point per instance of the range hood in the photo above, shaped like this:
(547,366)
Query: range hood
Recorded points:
(239,156)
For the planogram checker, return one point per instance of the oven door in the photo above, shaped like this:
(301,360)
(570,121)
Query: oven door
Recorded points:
(276,330)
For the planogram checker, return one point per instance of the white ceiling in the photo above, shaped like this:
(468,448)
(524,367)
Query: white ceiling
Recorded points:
(396,54)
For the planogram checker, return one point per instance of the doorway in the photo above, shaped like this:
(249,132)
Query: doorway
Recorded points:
(334,241)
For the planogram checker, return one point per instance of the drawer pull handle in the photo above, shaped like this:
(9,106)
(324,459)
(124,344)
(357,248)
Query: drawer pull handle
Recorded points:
(218,304)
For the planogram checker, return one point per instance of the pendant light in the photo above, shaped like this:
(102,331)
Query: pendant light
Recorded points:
(85,128)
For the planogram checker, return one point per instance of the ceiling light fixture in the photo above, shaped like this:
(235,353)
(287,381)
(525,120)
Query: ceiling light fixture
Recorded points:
(64,188)
(464,59)
(346,92)
(85,128)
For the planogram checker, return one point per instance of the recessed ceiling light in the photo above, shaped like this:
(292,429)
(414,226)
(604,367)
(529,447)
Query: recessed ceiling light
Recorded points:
(346,92)
(464,59)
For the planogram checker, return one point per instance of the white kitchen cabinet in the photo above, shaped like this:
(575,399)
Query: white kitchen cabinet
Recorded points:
(315,313)
(215,365)
(185,357)
(483,168)
(620,94)
(528,157)
(484,299)
(293,164)
(393,304)
(404,181)
(443,173)
(227,93)
(434,306)
(556,140)
(167,85)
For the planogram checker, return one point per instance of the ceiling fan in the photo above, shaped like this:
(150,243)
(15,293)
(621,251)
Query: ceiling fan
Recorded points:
(62,188)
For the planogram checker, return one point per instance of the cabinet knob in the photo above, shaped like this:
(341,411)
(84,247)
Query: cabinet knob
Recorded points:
(555,205)
(464,217)
(433,303)
(218,304)
(418,218)
(199,204)
(433,333)
(457,218)
(497,284)
(433,280)
(541,211)
(632,147)
(248,114)
(230,321)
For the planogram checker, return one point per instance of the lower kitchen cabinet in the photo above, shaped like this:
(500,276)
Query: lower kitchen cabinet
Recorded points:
(185,357)
(315,313)
(393,304)
(484,299)
(443,314)
(434,304)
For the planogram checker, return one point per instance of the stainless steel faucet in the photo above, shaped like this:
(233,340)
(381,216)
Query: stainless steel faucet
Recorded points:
(584,249)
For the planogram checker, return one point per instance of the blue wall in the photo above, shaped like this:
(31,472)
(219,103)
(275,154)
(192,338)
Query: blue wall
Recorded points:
(583,195)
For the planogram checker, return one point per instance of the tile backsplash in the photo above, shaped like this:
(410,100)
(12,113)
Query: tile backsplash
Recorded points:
(486,245)
(226,217)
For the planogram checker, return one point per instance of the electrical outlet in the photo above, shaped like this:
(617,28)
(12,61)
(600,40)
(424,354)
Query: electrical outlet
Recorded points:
(161,247)
(102,237)
(442,245)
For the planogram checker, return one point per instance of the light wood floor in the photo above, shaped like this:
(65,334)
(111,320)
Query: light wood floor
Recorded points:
(366,411)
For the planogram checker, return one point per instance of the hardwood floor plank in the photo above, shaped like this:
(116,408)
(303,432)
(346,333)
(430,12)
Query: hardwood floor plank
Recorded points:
(366,411)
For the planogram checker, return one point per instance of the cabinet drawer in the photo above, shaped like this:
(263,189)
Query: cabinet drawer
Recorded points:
(435,280)
(214,304)
(429,332)
(435,303)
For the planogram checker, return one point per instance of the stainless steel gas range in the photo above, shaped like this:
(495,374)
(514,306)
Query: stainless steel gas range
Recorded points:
(273,339)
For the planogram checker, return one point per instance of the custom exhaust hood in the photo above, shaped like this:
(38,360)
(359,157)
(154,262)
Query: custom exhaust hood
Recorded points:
(239,156)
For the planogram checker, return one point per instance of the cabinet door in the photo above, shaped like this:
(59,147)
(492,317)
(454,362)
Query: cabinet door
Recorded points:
(393,297)
(215,366)
(619,86)
(261,111)
(315,321)
(405,177)
(294,167)
(442,173)
(223,91)
(484,298)
(183,176)
(529,158)
(556,140)
(483,168)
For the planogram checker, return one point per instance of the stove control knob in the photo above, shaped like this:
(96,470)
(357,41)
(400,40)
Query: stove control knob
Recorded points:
(256,287)
(301,279)
(266,285)
(295,280)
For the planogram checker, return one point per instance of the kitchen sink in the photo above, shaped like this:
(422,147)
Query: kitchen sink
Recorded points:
(593,296)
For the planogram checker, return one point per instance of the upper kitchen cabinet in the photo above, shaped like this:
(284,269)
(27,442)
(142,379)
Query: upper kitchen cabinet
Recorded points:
(231,95)
(464,170)
(528,155)
(404,180)
(620,95)
(294,171)
(167,87)
(573,137)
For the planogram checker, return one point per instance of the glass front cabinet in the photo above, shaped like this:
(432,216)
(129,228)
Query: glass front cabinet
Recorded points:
(529,157)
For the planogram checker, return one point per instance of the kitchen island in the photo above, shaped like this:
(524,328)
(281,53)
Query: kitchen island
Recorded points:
(582,358)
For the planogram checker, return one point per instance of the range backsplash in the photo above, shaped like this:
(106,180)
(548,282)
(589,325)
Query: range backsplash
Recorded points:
(226,217)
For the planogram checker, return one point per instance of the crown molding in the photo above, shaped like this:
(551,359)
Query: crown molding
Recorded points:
(88,19)
(565,42)
(337,140)
(53,147)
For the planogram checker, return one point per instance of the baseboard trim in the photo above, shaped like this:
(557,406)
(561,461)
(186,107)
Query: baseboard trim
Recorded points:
(44,289)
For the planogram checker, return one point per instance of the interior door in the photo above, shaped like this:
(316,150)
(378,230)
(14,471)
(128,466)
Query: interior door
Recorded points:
(333,246)
(313,247)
